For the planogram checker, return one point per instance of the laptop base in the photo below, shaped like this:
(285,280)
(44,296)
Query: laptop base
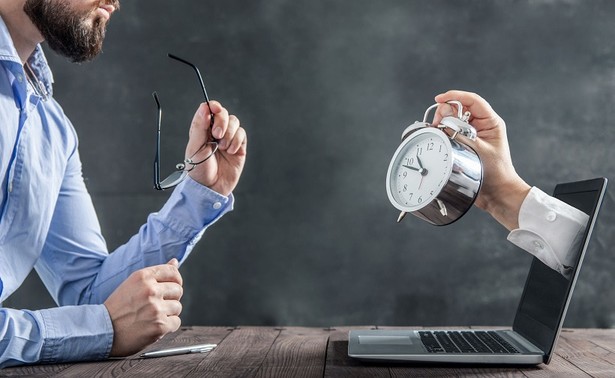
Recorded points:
(406,346)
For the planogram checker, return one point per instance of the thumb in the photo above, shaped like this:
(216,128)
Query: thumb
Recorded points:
(443,110)
(173,262)
(199,129)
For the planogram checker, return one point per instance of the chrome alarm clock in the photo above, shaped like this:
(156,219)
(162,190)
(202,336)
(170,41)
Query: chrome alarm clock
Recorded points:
(433,174)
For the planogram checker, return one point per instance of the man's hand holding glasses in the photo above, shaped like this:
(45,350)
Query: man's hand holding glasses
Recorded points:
(216,150)
(222,170)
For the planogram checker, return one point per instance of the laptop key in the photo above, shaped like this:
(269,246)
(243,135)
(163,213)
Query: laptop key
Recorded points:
(487,338)
(478,345)
(461,343)
(431,344)
(446,342)
(509,348)
(465,342)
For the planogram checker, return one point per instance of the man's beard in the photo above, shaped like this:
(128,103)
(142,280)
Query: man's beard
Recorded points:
(68,32)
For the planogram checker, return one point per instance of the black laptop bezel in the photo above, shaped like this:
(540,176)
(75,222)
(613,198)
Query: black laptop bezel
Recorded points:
(523,322)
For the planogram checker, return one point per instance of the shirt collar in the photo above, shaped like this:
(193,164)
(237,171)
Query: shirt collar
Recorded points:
(37,60)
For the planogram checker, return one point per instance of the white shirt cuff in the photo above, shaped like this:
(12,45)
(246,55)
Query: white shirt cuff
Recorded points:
(549,229)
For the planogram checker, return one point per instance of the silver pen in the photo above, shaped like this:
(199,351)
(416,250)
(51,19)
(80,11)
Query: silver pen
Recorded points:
(202,348)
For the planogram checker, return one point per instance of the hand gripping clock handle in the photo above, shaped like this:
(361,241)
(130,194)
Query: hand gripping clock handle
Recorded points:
(459,124)
(457,104)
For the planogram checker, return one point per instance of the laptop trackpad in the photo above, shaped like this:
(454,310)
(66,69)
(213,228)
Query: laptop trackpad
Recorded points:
(385,340)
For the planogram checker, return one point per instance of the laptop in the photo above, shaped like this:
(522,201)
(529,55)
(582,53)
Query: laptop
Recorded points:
(537,323)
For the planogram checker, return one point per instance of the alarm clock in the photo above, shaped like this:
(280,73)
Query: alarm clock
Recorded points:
(434,174)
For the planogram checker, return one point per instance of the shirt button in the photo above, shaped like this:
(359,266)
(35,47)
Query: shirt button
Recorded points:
(11,187)
(217,205)
(20,78)
(551,216)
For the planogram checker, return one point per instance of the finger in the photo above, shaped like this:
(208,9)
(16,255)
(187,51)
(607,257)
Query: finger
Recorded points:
(172,308)
(173,323)
(167,273)
(443,110)
(199,129)
(233,125)
(478,106)
(221,119)
(216,106)
(170,290)
(239,142)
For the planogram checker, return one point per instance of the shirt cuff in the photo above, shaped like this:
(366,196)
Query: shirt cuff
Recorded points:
(75,333)
(549,229)
(192,207)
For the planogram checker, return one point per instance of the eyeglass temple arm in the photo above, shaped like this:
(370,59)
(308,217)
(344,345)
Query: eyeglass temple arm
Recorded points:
(198,73)
(157,158)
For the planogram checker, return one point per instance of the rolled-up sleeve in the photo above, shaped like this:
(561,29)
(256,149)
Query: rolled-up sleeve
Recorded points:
(549,229)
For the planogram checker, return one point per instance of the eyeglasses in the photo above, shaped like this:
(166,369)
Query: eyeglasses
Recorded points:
(183,168)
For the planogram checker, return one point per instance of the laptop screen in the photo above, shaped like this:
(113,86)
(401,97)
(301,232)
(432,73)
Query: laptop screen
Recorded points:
(547,293)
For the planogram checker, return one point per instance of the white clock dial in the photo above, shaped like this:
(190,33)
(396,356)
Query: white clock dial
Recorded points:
(419,170)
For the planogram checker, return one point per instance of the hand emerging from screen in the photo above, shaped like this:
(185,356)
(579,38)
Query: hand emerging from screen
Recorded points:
(503,191)
(145,307)
(221,172)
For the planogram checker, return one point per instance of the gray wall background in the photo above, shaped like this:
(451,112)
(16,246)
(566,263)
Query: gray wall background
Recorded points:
(324,89)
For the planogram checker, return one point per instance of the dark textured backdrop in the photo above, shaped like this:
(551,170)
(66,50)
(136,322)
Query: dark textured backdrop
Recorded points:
(324,89)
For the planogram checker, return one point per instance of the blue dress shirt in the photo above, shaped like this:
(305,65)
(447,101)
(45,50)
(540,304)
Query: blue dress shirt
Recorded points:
(48,222)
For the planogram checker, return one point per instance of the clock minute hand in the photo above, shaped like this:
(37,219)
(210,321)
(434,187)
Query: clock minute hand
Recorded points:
(418,159)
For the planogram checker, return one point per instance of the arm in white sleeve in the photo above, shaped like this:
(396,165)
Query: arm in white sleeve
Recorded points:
(550,229)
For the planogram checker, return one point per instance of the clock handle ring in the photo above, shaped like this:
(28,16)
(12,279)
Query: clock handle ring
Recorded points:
(458,105)
(428,111)
(459,124)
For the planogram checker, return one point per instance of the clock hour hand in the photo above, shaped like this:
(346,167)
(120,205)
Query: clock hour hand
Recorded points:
(410,167)
(421,170)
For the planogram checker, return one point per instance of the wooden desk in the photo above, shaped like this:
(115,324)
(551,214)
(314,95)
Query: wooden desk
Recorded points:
(317,352)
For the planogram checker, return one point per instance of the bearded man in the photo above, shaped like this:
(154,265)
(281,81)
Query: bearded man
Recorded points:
(109,304)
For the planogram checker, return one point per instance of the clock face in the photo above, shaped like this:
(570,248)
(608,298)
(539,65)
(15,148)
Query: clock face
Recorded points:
(419,169)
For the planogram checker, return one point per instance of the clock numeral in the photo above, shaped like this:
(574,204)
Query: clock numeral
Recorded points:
(419,151)
(410,196)
(430,146)
(431,193)
(410,161)
(405,187)
(405,174)
(445,157)
(440,150)
(420,199)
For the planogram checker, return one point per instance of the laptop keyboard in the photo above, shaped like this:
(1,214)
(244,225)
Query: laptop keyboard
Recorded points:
(465,342)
